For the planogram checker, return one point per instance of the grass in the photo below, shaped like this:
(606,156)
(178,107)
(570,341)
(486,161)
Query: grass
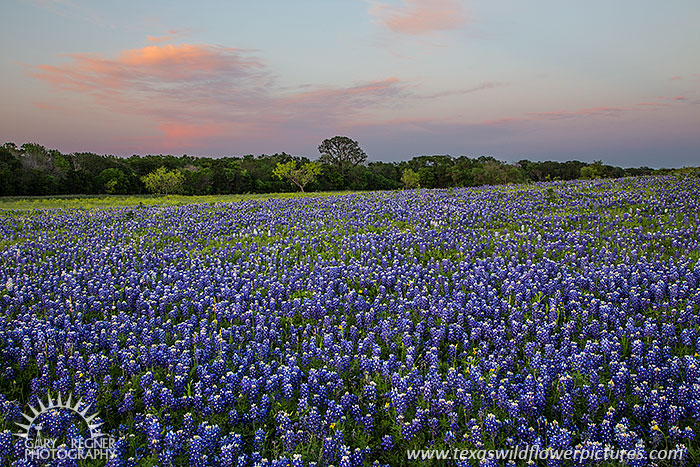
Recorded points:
(110,201)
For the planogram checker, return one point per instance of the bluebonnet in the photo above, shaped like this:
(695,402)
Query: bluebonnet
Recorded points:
(469,317)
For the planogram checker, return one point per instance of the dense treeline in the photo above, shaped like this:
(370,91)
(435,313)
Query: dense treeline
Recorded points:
(31,169)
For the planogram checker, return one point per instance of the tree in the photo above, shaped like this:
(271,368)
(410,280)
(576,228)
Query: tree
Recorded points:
(342,152)
(228,176)
(10,171)
(433,171)
(302,176)
(164,181)
(198,180)
(410,179)
(592,171)
(113,181)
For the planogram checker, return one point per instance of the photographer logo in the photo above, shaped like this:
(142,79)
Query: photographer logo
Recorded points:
(37,446)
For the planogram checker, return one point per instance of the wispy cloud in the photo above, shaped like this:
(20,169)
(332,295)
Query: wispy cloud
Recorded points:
(694,76)
(334,102)
(200,91)
(470,90)
(170,36)
(195,93)
(172,83)
(609,111)
(150,69)
(562,114)
(450,125)
(419,17)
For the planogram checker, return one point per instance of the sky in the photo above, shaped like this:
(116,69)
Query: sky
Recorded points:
(616,80)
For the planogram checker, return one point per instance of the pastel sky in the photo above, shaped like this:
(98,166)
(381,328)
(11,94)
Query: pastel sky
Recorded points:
(546,79)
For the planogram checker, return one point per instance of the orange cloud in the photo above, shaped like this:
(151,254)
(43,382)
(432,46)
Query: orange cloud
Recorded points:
(172,34)
(193,92)
(45,106)
(420,16)
(147,67)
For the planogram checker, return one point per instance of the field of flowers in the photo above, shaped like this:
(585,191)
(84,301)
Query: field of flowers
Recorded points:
(344,330)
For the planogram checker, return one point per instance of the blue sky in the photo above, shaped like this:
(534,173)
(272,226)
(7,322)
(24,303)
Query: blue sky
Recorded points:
(618,81)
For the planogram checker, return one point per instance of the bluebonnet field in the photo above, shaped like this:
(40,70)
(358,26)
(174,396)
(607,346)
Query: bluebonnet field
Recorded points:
(347,329)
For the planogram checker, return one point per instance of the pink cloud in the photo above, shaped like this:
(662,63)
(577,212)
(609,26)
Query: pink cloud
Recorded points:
(372,88)
(178,135)
(46,106)
(601,111)
(174,62)
(436,126)
(501,121)
(165,81)
(172,34)
(418,17)
(348,101)
(147,67)
(194,92)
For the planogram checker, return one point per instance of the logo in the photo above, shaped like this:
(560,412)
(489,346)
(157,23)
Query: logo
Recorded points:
(40,447)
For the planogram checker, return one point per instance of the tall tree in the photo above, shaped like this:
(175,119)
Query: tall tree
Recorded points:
(164,181)
(302,176)
(342,152)
(113,181)
(410,179)
(594,170)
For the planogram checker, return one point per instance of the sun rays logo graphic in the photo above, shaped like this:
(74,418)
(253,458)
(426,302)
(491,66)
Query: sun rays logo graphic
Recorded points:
(38,447)
(58,404)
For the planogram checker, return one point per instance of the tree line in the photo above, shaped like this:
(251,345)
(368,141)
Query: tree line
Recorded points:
(33,170)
